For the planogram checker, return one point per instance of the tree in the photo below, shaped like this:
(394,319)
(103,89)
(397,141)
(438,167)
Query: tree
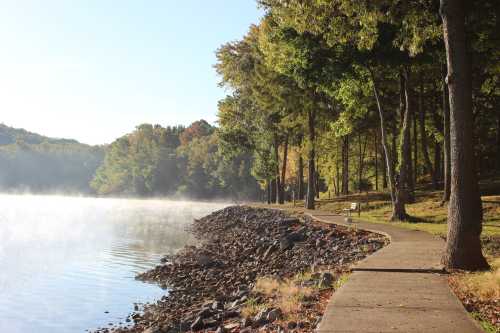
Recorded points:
(463,245)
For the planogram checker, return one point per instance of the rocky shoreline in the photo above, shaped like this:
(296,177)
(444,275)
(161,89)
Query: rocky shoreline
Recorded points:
(254,269)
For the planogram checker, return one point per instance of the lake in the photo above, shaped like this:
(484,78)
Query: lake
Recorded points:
(68,263)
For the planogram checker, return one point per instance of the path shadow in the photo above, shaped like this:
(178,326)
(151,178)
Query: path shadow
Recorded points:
(401,270)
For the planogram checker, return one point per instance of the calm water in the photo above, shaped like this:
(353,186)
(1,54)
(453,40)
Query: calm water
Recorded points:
(66,261)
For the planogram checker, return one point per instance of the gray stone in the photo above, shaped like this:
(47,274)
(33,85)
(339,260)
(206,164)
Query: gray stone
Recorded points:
(326,280)
(197,324)
(269,250)
(273,315)
(285,243)
(217,305)
(204,261)
(152,329)
(261,317)
(246,322)
(205,313)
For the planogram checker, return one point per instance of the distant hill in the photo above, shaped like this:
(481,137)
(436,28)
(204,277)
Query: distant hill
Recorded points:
(33,162)
(10,135)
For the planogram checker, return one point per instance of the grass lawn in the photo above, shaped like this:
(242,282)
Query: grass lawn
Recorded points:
(427,213)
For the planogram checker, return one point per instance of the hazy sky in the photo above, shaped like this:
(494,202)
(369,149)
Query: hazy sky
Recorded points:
(94,69)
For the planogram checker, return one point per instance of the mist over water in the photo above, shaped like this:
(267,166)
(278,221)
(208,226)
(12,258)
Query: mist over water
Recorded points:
(66,260)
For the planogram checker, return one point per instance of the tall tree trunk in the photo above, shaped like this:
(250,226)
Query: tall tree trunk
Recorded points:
(268,186)
(300,174)
(360,162)
(437,163)
(345,165)
(337,166)
(383,137)
(376,160)
(446,141)
(410,176)
(399,212)
(498,140)
(463,245)
(384,174)
(395,156)
(279,188)
(438,151)
(273,191)
(335,175)
(415,149)
(423,134)
(311,115)
(316,178)
(283,171)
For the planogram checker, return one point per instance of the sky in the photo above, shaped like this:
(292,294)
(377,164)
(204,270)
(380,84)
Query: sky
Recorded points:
(92,70)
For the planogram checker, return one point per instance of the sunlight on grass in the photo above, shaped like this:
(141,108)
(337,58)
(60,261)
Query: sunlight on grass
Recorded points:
(251,308)
(428,212)
(287,295)
(483,285)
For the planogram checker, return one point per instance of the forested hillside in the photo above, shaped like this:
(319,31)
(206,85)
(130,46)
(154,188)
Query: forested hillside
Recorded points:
(32,162)
(175,161)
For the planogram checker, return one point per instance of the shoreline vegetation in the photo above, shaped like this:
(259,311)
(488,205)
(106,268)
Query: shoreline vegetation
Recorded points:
(253,268)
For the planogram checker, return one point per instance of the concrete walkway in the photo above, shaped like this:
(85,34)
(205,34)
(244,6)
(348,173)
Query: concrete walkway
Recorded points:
(397,289)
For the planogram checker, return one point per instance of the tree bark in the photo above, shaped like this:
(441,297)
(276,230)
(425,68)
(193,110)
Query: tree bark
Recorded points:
(376,161)
(345,165)
(283,171)
(394,146)
(279,189)
(383,138)
(384,174)
(410,176)
(268,186)
(438,151)
(437,163)
(316,179)
(498,139)
(423,134)
(360,162)
(311,115)
(273,191)
(399,212)
(463,245)
(446,141)
(337,167)
(300,173)
(415,149)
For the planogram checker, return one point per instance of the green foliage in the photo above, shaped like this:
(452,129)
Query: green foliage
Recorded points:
(179,161)
(36,163)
